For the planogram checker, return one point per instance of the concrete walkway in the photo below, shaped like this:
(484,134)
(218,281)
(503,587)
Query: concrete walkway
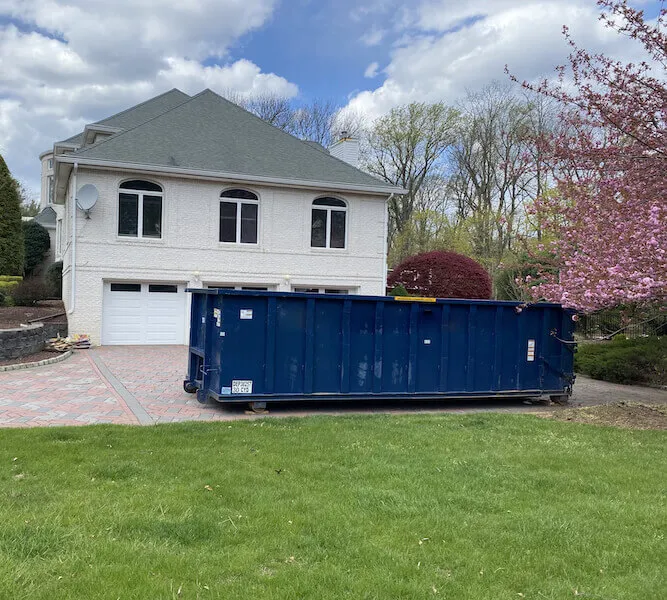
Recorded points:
(143,385)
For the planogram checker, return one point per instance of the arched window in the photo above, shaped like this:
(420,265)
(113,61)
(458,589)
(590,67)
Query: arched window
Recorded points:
(239,211)
(328,223)
(140,209)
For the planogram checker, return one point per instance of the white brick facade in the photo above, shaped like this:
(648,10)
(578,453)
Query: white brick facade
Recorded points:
(189,251)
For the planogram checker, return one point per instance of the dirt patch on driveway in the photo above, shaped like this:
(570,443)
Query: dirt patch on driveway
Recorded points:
(629,415)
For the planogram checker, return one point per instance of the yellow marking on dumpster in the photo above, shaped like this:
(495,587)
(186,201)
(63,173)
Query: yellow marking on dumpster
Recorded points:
(413,299)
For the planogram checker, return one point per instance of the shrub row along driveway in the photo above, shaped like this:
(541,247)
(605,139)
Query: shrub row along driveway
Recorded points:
(143,385)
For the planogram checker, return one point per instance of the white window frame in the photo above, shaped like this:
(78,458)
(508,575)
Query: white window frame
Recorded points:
(270,287)
(328,209)
(140,211)
(49,189)
(348,291)
(238,202)
(49,163)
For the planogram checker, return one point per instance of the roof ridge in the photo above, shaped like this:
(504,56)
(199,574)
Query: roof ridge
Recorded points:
(305,142)
(122,112)
(115,136)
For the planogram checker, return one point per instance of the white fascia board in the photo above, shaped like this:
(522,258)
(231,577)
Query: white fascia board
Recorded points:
(379,190)
(89,132)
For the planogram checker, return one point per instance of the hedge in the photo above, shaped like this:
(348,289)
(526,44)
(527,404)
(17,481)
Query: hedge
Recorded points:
(624,360)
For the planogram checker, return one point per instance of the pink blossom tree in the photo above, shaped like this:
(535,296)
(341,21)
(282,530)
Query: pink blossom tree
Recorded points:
(608,212)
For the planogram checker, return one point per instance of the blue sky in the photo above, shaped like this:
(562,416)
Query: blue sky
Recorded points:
(64,63)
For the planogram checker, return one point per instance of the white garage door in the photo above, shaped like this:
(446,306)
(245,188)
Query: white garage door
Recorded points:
(143,313)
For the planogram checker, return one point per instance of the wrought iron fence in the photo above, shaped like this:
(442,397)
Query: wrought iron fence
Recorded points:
(605,324)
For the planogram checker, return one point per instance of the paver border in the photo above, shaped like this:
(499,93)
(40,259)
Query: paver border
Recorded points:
(40,363)
(133,405)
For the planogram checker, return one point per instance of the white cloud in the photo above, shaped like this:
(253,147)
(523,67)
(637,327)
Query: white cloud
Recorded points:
(65,63)
(371,70)
(372,37)
(465,45)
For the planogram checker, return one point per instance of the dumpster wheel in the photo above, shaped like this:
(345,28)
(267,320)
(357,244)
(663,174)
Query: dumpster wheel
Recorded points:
(189,387)
(259,408)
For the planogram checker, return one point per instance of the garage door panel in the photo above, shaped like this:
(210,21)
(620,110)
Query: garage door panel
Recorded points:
(153,315)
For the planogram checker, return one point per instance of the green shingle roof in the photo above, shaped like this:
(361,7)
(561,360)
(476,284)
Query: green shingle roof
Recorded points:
(138,114)
(209,133)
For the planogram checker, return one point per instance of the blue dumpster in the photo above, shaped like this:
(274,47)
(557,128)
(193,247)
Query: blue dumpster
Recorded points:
(275,346)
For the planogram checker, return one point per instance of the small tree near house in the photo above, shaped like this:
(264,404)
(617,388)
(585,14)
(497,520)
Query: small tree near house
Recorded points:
(37,244)
(11,232)
(442,275)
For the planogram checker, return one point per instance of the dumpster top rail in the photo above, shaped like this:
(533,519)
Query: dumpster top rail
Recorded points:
(226,292)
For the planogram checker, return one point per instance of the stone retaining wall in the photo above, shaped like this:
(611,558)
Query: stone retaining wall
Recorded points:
(22,341)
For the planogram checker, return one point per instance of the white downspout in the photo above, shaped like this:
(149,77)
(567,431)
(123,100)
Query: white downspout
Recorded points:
(385,245)
(72,300)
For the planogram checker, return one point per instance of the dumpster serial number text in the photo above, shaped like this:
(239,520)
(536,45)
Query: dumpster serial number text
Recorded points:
(241,386)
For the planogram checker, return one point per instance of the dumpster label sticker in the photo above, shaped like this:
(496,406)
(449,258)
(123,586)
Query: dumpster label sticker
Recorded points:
(530,357)
(427,342)
(246,313)
(241,386)
(226,391)
(217,315)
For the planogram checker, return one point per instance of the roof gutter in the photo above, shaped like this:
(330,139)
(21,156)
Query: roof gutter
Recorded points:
(379,190)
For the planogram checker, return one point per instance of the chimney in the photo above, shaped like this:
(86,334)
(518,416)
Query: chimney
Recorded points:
(346,148)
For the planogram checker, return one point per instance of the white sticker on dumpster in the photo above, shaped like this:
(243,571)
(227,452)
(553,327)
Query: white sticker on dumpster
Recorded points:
(246,313)
(241,386)
(530,357)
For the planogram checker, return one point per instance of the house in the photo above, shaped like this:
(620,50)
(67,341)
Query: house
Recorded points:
(194,191)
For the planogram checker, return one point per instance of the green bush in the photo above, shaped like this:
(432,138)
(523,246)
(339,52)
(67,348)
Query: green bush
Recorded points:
(399,290)
(7,283)
(36,244)
(29,292)
(54,279)
(623,360)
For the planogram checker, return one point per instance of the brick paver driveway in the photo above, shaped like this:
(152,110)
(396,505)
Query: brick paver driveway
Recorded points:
(110,384)
(143,385)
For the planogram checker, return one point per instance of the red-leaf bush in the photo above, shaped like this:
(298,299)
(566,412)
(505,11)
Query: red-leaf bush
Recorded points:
(442,275)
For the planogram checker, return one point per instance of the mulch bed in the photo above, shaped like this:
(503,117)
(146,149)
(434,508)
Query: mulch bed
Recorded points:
(14,316)
(30,358)
(629,415)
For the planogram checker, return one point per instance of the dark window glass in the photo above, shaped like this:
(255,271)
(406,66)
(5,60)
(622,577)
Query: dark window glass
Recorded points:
(329,202)
(327,291)
(152,223)
(125,287)
(242,194)
(337,229)
(128,214)
(249,223)
(220,287)
(228,221)
(144,186)
(255,289)
(162,289)
(307,290)
(318,233)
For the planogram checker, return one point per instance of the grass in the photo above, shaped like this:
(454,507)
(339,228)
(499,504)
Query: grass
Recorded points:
(383,507)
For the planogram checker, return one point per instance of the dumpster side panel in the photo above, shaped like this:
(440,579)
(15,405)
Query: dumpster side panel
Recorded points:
(458,347)
(281,346)
(327,363)
(395,348)
(290,345)
(362,347)
(429,348)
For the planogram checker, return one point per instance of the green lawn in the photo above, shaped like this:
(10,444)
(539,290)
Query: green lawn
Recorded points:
(372,507)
